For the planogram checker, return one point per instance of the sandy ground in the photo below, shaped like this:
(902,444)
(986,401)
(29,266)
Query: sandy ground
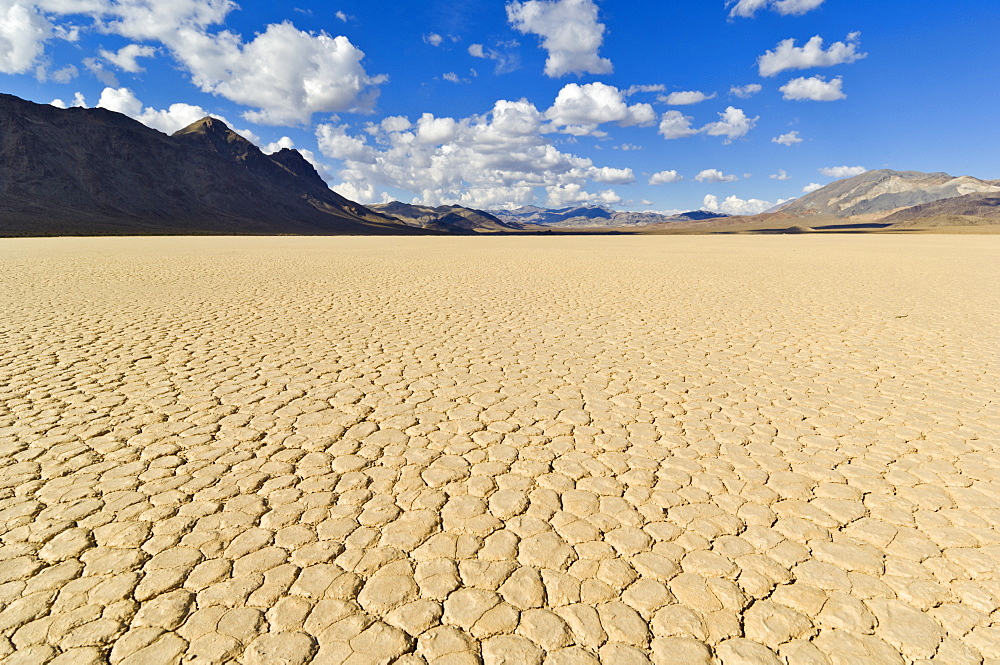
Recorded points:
(502,450)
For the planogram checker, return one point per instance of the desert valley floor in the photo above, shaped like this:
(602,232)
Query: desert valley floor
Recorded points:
(561,450)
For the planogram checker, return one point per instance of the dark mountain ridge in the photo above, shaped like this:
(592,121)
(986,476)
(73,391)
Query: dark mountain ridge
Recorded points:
(96,172)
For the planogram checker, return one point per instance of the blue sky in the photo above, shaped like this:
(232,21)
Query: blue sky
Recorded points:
(658,105)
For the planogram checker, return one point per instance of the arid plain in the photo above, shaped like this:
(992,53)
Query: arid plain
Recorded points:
(748,449)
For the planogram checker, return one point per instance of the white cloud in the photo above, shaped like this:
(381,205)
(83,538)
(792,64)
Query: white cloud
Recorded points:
(814,88)
(780,175)
(96,67)
(569,31)
(65,74)
(504,55)
(665,177)
(745,91)
(811,187)
(842,171)
(342,16)
(786,55)
(285,73)
(78,101)
(573,194)
(789,139)
(452,77)
(748,8)
(579,109)
(434,39)
(795,7)
(612,176)
(635,89)
(501,158)
(436,130)
(683,98)
(125,58)
(23,32)
(736,206)
(334,141)
(714,175)
(733,125)
(676,125)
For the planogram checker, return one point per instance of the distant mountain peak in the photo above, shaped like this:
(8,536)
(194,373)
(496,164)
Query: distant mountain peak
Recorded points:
(216,135)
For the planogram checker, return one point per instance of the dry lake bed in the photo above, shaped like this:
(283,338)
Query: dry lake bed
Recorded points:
(562,450)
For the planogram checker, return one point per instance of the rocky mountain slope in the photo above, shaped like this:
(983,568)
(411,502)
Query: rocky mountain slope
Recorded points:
(884,191)
(95,172)
(446,218)
(971,209)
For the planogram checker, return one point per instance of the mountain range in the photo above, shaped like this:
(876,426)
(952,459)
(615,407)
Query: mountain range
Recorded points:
(884,192)
(81,171)
(446,218)
(590,217)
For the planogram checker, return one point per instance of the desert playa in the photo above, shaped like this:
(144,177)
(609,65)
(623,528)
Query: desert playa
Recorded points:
(558,450)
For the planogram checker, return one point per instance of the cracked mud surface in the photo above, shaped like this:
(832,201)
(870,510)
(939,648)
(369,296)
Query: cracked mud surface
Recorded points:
(485,450)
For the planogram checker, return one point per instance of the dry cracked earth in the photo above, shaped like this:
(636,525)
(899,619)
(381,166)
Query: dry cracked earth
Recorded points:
(735,450)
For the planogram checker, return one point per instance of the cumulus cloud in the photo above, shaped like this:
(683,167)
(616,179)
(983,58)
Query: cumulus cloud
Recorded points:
(676,125)
(579,109)
(436,130)
(683,98)
(811,187)
(78,101)
(612,176)
(285,73)
(734,205)
(842,171)
(780,175)
(569,31)
(501,158)
(126,57)
(23,32)
(814,88)
(665,177)
(734,124)
(335,142)
(789,139)
(714,175)
(745,91)
(434,39)
(786,55)
(748,8)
